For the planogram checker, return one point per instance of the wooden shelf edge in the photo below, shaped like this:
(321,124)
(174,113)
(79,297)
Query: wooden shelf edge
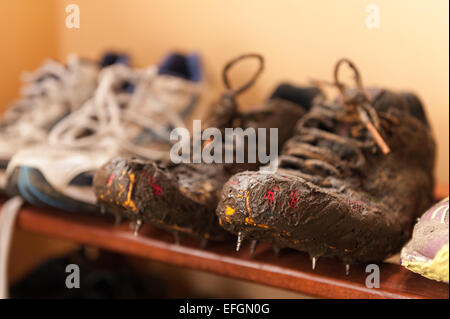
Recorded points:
(291,270)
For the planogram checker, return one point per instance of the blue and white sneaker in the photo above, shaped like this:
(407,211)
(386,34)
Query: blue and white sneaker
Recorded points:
(131,114)
(50,93)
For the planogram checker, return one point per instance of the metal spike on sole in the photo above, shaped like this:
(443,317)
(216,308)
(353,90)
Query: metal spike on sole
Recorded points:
(276,250)
(347,269)
(203,243)
(314,260)
(239,241)
(253,246)
(118,221)
(177,237)
(137,227)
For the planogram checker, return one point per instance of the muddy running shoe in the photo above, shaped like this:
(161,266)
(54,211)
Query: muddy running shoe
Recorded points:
(50,93)
(349,184)
(131,113)
(182,198)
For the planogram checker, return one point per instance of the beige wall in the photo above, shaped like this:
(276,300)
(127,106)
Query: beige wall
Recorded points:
(27,36)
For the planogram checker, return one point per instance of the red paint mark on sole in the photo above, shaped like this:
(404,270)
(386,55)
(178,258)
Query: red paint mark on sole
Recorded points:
(110,179)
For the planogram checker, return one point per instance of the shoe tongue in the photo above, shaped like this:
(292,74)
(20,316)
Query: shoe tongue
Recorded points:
(385,99)
(415,106)
(302,96)
(111,58)
(127,87)
(48,76)
(183,66)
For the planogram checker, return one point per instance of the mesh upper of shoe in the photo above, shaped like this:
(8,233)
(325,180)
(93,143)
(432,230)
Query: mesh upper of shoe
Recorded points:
(115,121)
(50,93)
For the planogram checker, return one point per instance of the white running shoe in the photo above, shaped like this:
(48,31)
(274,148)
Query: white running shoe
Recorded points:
(131,114)
(50,93)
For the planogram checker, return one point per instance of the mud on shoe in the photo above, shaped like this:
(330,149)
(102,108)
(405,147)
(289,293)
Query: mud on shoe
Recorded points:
(349,184)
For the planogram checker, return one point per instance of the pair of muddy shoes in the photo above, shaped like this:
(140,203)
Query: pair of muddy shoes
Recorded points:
(349,183)
(183,197)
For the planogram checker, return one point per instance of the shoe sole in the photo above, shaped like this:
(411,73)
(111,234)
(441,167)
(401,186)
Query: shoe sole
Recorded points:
(288,211)
(143,193)
(31,184)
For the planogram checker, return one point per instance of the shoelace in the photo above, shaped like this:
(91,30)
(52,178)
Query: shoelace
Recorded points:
(108,115)
(360,101)
(227,111)
(48,89)
(317,151)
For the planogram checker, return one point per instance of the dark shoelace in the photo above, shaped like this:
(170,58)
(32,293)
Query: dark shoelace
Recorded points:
(331,139)
(361,102)
(227,109)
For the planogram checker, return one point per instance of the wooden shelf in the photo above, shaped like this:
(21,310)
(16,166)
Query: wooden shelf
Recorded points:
(290,270)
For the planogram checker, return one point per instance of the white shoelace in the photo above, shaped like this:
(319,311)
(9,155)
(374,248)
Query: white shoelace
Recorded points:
(106,121)
(43,100)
